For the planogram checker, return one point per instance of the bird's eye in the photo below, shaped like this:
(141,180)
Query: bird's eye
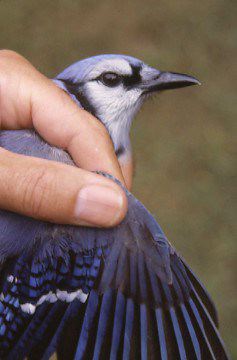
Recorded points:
(110,79)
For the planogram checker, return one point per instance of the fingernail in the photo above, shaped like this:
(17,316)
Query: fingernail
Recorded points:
(98,205)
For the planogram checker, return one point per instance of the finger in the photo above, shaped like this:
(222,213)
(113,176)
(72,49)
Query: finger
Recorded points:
(58,193)
(39,103)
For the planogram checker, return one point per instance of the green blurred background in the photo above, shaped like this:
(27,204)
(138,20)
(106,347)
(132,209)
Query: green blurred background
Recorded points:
(183,141)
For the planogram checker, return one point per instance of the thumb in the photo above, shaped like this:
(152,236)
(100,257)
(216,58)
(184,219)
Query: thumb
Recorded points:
(59,193)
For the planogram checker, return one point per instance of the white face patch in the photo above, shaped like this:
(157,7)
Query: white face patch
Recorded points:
(115,107)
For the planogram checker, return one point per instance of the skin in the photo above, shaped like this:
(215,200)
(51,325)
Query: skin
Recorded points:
(48,190)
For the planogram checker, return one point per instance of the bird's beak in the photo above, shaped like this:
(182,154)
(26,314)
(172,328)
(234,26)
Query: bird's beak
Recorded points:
(160,80)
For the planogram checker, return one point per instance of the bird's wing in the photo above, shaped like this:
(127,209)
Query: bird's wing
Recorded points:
(93,293)
(102,294)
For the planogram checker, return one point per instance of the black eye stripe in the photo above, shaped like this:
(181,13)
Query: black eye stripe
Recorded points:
(74,89)
(133,79)
(127,80)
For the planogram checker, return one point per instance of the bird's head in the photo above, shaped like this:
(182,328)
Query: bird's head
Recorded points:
(113,88)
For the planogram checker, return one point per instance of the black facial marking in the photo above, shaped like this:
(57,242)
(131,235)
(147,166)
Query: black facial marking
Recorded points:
(128,80)
(74,89)
(120,151)
(131,80)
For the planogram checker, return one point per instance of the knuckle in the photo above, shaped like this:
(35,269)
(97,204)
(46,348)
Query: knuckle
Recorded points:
(101,129)
(103,134)
(96,125)
(10,63)
(35,189)
(6,55)
(62,96)
(6,58)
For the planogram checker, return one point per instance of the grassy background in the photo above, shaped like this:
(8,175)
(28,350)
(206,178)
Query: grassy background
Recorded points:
(182,141)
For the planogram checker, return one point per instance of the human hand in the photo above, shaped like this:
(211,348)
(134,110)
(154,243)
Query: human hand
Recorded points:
(49,190)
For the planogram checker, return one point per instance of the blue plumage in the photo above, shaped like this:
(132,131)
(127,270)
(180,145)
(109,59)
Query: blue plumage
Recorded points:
(103,322)
(121,293)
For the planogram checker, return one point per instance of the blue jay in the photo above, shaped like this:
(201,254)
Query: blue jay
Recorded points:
(87,293)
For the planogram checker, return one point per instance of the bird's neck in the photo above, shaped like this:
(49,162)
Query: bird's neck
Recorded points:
(119,133)
(118,125)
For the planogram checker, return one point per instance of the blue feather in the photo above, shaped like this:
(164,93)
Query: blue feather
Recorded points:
(143,330)
(87,324)
(178,334)
(105,314)
(22,345)
(192,333)
(205,343)
(161,334)
(118,325)
(128,328)
(52,346)
(213,334)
